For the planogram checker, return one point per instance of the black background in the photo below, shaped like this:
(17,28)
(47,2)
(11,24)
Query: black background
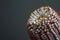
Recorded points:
(14,15)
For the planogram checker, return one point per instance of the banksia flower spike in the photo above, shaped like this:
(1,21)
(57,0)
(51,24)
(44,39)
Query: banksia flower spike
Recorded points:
(44,24)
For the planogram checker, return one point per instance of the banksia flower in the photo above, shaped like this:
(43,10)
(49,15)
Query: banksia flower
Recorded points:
(44,24)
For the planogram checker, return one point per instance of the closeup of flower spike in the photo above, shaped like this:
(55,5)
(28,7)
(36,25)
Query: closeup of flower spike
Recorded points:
(44,24)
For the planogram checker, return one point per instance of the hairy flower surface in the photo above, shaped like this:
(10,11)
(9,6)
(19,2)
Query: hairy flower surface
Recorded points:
(44,24)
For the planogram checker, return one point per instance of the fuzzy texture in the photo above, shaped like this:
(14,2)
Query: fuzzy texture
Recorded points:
(44,24)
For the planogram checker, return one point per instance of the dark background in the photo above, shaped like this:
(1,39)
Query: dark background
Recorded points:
(14,15)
